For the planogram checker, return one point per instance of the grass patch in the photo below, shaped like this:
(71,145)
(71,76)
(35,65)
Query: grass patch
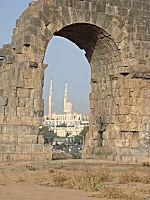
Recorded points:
(59,178)
(136,177)
(116,192)
(30,167)
(20,180)
(88,181)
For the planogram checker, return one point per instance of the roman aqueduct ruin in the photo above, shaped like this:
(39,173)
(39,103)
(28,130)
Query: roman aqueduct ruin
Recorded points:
(115,35)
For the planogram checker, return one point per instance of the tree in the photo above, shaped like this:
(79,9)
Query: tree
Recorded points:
(43,130)
(84,132)
(46,132)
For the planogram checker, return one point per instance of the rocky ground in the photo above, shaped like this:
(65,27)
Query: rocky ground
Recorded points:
(74,180)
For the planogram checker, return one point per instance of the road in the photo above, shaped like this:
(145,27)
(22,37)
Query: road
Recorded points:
(30,191)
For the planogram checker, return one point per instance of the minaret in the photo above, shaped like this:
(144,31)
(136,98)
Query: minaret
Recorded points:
(50,100)
(65,97)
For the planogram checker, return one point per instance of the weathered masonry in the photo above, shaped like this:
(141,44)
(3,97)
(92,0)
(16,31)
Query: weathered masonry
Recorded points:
(116,37)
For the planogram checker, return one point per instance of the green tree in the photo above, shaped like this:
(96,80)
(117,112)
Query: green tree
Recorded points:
(43,130)
(46,132)
(84,132)
(48,135)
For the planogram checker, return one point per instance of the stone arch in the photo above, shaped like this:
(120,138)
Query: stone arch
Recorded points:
(107,31)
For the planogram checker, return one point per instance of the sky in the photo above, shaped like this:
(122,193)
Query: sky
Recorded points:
(66,62)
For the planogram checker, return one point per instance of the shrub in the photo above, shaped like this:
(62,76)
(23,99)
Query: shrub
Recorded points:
(86,183)
(30,167)
(128,177)
(59,178)
(116,192)
(146,164)
(76,156)
(89,181)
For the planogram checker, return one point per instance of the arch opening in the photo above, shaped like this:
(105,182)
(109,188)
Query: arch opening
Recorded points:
(104,58)
(84,35)
(66,89)
(66,64)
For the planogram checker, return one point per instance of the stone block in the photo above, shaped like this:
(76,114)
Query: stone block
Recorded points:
(2,109)
(1,118)
(1,157)
(14,128)
(3,148)
(40,139)
(122,11)
(23,92)
(37,148)
(134,144)
(47,11)
(36,93)
(9,138)
(10,92)
(47,149)
(1,136)
(38,103)
(145,110)
(32,73)
(133,127)
(23,120)
(6,128)
(126,159)
(43,157)
(27,139)
(6,157)
(2,92)
(14,157)
(135,110)
(19,49)
(23,130)
(3,101)
(27,40)
(43,18)
(25,157)
(11,148)
(21,102)
(33,130)
(122,143)
(144,152)
(141,127)
(24,148)
(147,128)
(33,65)
(10,59)
(21,111)
(124,109)
(10,110)
(30,103)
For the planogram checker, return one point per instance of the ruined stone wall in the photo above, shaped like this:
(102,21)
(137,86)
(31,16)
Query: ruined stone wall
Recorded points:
(116,37)
(120,113)
(21,109)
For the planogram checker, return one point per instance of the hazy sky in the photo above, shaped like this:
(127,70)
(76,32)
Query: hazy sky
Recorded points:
(66,62)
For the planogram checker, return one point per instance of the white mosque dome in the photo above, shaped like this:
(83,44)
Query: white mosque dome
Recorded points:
(68,107)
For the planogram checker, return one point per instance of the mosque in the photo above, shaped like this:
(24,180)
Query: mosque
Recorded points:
(67,123)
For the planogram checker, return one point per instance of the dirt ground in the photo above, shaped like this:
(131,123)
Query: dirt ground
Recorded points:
(57,180)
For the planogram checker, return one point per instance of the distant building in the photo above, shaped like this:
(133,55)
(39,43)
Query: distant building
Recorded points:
(68,122)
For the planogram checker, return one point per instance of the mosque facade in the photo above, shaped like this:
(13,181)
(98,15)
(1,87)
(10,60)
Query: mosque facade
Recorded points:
(68,123)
